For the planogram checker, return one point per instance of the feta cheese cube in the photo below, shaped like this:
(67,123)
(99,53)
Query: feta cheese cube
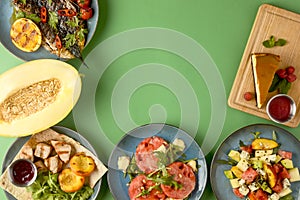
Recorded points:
(243,164)
(162,149)
(179,143)
(260,153)
(286,183)
(242,182)
(253,186)
(123,163)
(245,155)
(274,196)
(268,158)
(244,190)
(234,182)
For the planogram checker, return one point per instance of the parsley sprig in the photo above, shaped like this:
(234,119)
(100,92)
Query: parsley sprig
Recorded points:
(79,34)
(53,20)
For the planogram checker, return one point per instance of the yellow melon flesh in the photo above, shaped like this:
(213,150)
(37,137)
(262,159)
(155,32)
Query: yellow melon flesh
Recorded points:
(21,79)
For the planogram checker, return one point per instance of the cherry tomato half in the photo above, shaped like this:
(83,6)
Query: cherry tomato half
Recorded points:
(86,13)
(84,3)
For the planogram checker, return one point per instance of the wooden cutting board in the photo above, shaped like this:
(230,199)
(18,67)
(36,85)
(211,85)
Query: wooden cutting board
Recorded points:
(280,23)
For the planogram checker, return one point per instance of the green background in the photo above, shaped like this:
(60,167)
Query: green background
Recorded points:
(222,27)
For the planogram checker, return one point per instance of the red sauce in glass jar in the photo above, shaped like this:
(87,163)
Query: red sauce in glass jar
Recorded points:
(280,108)
(23,172)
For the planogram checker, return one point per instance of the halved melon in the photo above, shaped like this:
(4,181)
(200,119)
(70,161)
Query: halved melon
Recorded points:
(37,95)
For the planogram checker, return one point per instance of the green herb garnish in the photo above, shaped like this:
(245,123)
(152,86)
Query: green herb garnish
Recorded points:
(280,84)
(19,14)
(73,22)
(81,34)
(33,17)
(274,84)
(272,42)
(70,40)
(284,86)
(53,20)
(227,162)
(22,1)
(256,134)
(274,136)
(242,144)
(147,191)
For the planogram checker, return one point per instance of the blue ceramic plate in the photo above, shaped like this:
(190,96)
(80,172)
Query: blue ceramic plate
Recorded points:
(6,10)
(220,184)
(127,145)
(16,146)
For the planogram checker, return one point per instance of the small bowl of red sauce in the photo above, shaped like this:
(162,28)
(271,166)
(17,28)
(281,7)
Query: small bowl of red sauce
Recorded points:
(281,108)
(22,172)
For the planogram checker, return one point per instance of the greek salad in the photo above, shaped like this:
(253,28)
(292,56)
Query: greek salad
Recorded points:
(261,170)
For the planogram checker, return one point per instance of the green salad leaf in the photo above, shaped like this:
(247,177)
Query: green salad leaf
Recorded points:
(46,187)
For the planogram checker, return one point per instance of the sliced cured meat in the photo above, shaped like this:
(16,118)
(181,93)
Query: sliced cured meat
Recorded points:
(145,158)
(141,183)
(185,176)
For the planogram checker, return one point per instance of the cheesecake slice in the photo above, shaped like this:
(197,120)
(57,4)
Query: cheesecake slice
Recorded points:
(264,67)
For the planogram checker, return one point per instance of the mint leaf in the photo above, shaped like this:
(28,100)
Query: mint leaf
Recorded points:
(272,42)
(267,44)
(280,42)
(284,86)
(275,83)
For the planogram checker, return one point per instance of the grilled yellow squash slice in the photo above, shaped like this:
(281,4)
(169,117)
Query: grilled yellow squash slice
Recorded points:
(26,35)
(69,181)
(82,165)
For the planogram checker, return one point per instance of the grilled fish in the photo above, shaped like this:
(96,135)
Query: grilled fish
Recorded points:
(62,28)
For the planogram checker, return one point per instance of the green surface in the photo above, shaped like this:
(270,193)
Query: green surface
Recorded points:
(220,27)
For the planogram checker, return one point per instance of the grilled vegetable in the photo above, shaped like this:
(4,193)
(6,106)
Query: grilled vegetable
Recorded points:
(44,14)
(264,144)
(66,12)
(69,181)
(82,165)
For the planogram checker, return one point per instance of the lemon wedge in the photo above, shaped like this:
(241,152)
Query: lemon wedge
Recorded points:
(26,35)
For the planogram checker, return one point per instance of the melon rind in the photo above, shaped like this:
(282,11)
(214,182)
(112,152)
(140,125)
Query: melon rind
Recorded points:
(32,72)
